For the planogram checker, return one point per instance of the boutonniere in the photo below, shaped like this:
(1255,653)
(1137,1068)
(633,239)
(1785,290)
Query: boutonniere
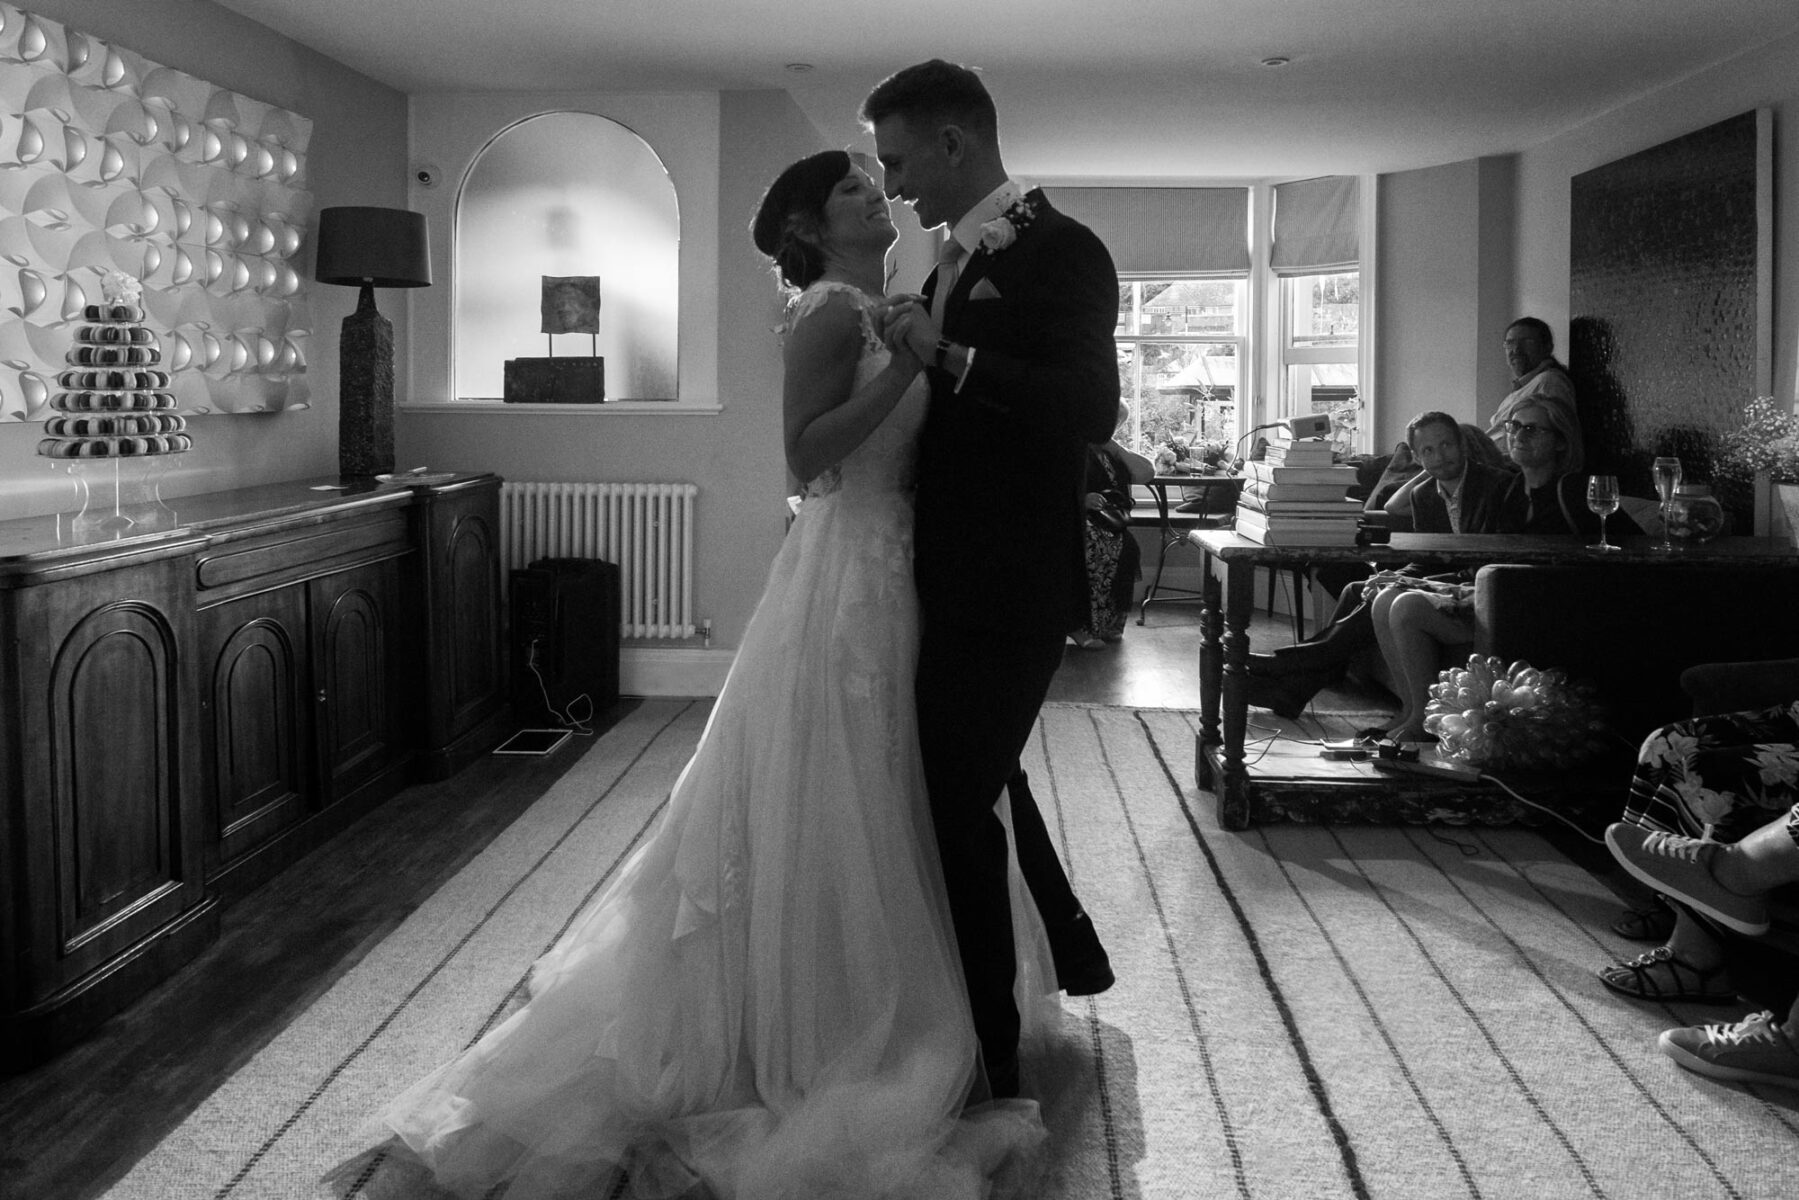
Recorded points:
(1004,229)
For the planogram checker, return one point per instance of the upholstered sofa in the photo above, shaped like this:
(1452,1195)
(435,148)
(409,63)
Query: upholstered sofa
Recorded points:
(1659,645)
(1632,630)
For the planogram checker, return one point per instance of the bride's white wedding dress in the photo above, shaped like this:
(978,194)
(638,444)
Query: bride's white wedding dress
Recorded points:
(767,1000)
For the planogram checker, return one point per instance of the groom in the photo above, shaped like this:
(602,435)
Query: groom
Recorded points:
(1016,327)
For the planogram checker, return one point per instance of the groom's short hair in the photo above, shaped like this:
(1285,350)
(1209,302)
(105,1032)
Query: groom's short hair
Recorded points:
(936,93)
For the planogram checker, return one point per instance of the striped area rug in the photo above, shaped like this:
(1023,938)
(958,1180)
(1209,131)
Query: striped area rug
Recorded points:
(1301,1012)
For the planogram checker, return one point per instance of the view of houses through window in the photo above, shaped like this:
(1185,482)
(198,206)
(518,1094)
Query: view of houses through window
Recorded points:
(1318,350)
(1183,345)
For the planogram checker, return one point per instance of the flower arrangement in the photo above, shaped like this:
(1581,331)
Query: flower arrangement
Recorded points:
(1345,420)
(1178,456)
(1004,229)
(1768,440)
(1490,715)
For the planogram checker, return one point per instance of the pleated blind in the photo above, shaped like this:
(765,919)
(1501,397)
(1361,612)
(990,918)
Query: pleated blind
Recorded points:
(1315,223)
(1154,230)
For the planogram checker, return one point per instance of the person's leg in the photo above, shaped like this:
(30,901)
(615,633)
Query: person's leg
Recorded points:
(1764,860)
(1082,966)
(978,694)
(1723,881)
(1697,781)
(1758,1049)
(1417,631)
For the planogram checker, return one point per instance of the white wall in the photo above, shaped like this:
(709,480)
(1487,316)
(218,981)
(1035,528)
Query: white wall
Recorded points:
(722,150)
(357,156)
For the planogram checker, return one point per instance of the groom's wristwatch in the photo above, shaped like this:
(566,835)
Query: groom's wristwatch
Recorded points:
(943,349)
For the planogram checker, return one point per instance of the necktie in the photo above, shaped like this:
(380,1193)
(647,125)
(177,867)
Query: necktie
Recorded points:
(949,264)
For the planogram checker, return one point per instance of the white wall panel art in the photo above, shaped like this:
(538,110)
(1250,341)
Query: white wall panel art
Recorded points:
(111,162)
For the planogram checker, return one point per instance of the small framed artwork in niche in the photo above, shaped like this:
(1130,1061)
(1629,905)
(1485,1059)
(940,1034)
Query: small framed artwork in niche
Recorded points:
(570,304)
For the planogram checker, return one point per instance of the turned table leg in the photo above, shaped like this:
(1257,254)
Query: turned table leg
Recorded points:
(1232,785)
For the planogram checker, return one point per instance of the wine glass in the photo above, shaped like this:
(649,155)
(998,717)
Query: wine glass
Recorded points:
(1667,478)
(1602,498)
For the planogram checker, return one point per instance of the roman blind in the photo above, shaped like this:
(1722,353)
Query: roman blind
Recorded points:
(1159,230)
(1315,224)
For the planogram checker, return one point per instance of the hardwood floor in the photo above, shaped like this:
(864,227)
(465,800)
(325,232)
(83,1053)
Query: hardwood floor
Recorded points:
(72,1128)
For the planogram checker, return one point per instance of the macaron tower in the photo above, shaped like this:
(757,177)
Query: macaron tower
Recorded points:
(115,401)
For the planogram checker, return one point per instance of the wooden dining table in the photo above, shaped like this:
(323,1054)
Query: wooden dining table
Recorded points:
(1230,562)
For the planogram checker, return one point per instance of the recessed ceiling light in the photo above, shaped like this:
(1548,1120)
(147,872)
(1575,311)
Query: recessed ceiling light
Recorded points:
(1278,60)
(799,68)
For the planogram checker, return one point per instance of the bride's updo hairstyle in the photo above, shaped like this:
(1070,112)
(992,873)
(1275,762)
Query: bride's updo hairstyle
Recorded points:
(791,216)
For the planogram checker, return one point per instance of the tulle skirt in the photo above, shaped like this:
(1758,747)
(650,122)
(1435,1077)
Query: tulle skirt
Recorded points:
(766,1001)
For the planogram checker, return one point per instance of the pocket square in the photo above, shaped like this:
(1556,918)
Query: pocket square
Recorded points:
(983,289)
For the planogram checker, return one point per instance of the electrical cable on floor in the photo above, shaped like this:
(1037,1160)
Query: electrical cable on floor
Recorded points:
(565,717)
(1507,788)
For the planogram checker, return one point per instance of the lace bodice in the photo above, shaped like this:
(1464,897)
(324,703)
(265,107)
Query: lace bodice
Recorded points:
(885,460)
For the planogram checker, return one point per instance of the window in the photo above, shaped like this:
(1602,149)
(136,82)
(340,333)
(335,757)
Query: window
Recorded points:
(563,194)
(1316,256)
(1237,306)
(1319,347)
(1181,346)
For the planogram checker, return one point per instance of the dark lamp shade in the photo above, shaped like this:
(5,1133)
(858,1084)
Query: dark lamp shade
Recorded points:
(381,247)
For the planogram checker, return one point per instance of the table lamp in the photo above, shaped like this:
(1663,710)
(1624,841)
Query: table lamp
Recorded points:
(369,248)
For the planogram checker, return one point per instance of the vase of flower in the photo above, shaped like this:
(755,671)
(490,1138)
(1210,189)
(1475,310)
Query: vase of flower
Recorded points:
(1765,450)
(1786,496)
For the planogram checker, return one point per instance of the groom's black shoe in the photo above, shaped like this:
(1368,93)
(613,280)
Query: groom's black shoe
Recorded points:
(1082,965)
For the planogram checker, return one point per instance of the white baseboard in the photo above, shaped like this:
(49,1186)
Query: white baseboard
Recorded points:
(674,671)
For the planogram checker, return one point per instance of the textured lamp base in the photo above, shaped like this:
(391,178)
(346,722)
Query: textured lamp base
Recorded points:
(365,391)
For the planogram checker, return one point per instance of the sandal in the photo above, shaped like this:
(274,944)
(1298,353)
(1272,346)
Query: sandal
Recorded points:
(1652,924)
(1657,975)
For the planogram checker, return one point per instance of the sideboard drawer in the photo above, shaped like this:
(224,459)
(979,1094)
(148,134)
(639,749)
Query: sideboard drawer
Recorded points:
(276,558)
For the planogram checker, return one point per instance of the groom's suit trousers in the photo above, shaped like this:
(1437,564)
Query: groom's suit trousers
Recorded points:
(972,734)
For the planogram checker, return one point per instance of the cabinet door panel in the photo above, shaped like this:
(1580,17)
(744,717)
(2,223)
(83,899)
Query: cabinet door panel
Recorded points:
(475,669)
(257,716)
(122,843)
(355,652)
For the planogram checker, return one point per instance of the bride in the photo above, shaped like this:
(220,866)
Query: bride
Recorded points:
(767,1001)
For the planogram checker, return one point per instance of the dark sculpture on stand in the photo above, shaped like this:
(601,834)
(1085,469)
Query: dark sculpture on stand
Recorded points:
(369,248)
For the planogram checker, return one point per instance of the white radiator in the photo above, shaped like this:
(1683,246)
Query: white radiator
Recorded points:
(646,528)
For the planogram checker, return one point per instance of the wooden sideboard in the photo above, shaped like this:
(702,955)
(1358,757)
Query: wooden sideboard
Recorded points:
(186,711)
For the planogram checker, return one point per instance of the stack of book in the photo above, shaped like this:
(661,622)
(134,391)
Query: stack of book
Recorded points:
(1296,496)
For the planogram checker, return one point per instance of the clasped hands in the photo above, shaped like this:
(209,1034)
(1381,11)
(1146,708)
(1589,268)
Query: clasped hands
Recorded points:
(907,327)
(1445,586)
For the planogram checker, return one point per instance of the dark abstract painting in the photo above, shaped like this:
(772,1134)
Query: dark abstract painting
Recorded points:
(1670,299)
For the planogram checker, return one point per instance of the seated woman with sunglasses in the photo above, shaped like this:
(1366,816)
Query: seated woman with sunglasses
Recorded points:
(1416,620)
(1548,495)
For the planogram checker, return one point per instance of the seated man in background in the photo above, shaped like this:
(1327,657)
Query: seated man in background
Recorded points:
(1536,375)
(1453,493)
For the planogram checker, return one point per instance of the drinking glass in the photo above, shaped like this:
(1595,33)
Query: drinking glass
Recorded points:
(1667,478)
(1602,498)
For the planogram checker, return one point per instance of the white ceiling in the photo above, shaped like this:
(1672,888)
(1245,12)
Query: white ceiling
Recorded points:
(1140,89)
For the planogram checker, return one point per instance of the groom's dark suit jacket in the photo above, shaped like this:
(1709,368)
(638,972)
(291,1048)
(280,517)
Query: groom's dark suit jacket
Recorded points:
(1002,463)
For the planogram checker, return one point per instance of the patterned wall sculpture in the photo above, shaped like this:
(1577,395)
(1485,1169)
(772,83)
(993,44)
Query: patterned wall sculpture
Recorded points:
(1670,280)
(111,162)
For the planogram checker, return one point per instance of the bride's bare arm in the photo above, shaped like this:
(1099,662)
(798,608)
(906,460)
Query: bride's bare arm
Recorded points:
(824,415)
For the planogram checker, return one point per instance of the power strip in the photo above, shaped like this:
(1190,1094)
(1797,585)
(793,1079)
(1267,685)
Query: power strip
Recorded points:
(1441,768)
